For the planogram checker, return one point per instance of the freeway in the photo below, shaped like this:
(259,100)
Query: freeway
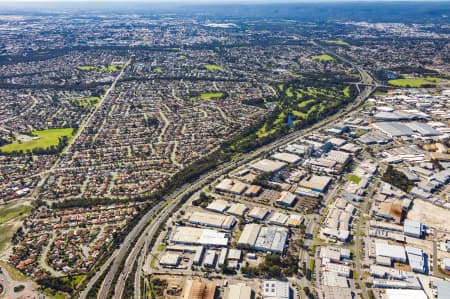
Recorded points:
(146,229)
(93,280)
(123,249)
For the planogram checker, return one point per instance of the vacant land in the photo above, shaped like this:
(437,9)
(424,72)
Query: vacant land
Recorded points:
(46,138)
(213,67)
(359,133)
(74,281)
(415,82)
(153,261)
(339,42)
(6,233)
(434,216)
(11,217)
(379,93)
(54,294)
(12,211)
(158,70)
(15,274)
(323,57)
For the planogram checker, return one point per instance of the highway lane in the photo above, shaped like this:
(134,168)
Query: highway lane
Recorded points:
(123,249)
(149,232)
(93,280)
(137,275)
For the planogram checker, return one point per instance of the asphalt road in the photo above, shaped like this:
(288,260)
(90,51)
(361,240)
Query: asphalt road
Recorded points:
(122,251)
(358,256)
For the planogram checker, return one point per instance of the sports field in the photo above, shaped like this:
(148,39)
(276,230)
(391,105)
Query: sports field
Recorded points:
(415,82)
(208,96)
(213,67)
(324,57)
(87,68)
(111,68)
(108,68)
(44,139)
(339,42)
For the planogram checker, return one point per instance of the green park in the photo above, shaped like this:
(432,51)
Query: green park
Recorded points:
(416,82)
(40,139)
(213,67)
(323,57)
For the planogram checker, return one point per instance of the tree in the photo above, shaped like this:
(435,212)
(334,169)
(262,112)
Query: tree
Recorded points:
(397,179)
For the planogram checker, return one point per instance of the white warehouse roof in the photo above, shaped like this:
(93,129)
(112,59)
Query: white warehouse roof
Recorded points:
(198,236)
(239,291)
(405,294)
(274,289)
(286,157)
(394,252)
(267,165)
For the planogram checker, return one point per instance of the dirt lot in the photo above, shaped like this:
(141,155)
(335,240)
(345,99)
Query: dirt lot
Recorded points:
(430,215)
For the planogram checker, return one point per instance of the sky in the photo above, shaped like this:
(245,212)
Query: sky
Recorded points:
(217,1)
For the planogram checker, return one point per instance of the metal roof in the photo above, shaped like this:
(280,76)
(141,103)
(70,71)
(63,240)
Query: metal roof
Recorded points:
(239,291)
(391,251)
(394,128)
(412,227)
(423,129)
(443,288)
(275,289)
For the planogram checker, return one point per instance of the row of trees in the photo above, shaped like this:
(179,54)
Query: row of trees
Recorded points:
(56,283)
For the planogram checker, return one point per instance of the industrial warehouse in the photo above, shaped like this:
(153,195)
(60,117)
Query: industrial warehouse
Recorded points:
(264,211)
(267,239)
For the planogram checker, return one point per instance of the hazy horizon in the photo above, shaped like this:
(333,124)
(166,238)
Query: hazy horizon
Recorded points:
(215,1)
